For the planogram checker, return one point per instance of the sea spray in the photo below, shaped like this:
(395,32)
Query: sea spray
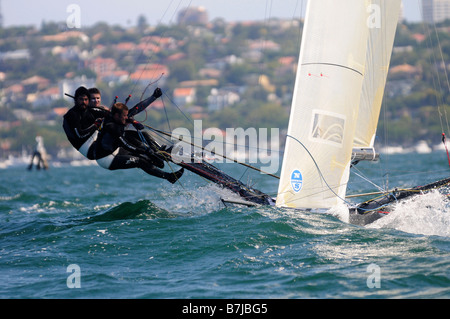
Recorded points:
(427,214)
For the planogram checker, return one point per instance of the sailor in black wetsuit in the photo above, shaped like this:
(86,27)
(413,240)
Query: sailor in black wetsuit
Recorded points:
(81,122)
(113,151)
(135,133)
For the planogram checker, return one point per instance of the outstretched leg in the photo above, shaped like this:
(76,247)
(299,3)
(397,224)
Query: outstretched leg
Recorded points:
(122,161)
(143,137)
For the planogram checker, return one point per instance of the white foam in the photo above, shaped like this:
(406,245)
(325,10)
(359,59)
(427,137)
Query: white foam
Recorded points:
(201,200)
(340,211)
(427,214)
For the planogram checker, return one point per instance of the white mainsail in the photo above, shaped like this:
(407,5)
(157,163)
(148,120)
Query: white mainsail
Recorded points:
(382,22)
(325,104)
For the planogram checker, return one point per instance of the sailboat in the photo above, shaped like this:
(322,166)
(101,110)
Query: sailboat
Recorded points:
(40,153)
(343,65)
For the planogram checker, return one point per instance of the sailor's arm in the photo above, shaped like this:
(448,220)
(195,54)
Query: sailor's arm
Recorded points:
(145,103)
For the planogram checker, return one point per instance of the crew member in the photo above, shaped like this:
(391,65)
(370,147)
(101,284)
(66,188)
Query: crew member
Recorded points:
(81,122)
(113,150)
(95,99)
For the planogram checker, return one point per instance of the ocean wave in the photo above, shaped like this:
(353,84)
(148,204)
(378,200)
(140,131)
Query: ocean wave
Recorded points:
(143,209)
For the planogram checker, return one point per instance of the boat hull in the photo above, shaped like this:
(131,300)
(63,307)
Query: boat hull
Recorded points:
(364,219)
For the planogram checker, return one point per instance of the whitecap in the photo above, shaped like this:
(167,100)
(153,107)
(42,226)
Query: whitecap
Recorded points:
(427,214)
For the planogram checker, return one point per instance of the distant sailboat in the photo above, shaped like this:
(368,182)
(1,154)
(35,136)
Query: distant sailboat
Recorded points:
(40,154)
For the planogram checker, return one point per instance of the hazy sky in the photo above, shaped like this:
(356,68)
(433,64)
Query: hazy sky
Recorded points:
(126,12)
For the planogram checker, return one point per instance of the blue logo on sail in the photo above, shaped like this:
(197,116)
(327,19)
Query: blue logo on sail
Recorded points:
(296,181)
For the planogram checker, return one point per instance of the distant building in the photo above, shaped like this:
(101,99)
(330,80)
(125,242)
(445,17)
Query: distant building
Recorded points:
(435,11)
(219,99)
(66,35)
(193,15)
(145,74)
(46,97)
(183,96)
(69,86)
(15,55)
(102,66)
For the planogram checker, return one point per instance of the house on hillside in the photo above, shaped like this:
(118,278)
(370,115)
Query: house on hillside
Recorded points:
(35,83)
(147,74)
(220,98)
(45,97)
(66,35)
(184,96)
(70,85)
(102,66)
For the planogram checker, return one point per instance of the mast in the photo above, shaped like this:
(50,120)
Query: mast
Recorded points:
(325,104)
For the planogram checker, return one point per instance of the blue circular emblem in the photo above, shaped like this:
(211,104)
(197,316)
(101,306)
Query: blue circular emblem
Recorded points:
(296,180)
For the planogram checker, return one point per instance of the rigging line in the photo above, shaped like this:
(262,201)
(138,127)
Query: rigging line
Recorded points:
(440,51)
(173,172)
(384,167)
(150,84)
(244,146)
(439,98)
(245,171)
(192,122)
(221,155)
(319,171)
(168,97)
(151,56)
(301,26)
(162,138)
(445,66)
(430,47)
(294,12)
(359,174)
(263,39)
(355,206)
(226,144)
(159,40)
(165,111)
(438,87)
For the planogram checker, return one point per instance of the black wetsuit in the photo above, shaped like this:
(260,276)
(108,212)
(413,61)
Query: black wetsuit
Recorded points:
(111,139)
(79,124)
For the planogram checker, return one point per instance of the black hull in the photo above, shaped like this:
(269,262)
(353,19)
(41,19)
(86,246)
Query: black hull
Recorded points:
(372,210)
(359,219)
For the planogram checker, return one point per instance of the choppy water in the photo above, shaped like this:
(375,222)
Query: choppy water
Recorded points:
(124,234)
